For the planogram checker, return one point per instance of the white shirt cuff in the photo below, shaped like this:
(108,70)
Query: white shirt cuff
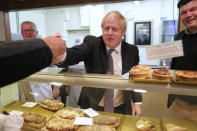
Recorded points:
(138,103)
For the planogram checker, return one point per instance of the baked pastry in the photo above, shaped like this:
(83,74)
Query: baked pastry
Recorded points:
(140,72)
(59,124)
(184,75)
(145,125)
(106,120)
(162,74)
(142,67)
(172,127)
(33,120)
(69,113)
(96,128)
(51,104)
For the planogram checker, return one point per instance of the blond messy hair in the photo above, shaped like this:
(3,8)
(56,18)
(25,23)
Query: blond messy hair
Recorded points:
(118,15)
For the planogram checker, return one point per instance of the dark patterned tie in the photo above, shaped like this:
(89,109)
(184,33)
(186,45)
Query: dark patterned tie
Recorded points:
(109,93)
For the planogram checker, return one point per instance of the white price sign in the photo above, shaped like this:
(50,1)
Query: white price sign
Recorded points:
(83,121)
(166,50)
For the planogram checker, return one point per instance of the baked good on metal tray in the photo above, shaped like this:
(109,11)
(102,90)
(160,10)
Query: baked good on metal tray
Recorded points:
(173,127)
(106,120)
(96,128)
(140,72)
(162,74)
(183,75)
(69,113)
(145,125)
(33,120)
(60,124)
(142,67)
(51,104)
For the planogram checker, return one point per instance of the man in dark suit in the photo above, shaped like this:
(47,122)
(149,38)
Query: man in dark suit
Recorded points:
(19,59)
(93,51)
(185,107)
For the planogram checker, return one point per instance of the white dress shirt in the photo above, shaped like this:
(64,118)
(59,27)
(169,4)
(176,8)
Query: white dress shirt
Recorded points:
(117,61)
(42,90)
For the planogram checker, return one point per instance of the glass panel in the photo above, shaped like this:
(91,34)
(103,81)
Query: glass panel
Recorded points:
(75,22)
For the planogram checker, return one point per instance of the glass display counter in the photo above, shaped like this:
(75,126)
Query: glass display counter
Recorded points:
(111,81)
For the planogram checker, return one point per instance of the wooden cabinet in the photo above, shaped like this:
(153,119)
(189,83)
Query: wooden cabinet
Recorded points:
(29,4)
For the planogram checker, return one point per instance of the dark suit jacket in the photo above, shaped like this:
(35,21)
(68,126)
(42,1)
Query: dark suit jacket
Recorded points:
(18,59)
(93,52)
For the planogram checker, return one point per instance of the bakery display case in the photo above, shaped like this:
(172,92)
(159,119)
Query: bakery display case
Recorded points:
(114,81)
(108,81)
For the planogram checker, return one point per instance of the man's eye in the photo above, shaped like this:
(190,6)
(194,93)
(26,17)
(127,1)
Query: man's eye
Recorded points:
(183,13)
(193,9)
(115,29)
(106,28)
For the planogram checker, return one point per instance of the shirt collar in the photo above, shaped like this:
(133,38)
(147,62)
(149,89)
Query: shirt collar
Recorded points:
(188,32)
(117,49)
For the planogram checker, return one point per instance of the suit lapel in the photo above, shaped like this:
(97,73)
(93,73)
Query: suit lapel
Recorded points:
(124,58)
(103,56)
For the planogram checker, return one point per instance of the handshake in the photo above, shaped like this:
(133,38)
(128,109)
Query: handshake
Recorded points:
(57,46)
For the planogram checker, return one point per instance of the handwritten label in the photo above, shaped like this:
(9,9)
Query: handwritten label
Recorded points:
(165,50)
(29,104)
(83,121)
(90,112)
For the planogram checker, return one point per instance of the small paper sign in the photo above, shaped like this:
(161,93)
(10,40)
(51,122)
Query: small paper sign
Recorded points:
(90,112)
(165,50)
(29,104)
(83,121)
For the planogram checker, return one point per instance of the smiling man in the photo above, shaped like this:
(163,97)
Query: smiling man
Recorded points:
(94,51)
(28,30)
(40,90)
(185,107)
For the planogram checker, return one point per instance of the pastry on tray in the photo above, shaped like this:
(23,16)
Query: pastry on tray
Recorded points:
(60,124)
(69,113)
(140,72)
(106,120)
(96,128)
(183,75)
(145,125)
(162,74)
(173,127)
(33,120)
(51,104)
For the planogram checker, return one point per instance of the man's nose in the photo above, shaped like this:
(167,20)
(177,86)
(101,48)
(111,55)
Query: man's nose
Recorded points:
(110,31)
(189,13)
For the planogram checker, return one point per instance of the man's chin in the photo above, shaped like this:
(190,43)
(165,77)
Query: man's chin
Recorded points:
(109,44)
(28,38)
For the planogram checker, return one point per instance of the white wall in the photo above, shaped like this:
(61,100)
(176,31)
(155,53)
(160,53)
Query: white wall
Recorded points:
(54,21)
(96,16)
(36,16)
(13,22)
